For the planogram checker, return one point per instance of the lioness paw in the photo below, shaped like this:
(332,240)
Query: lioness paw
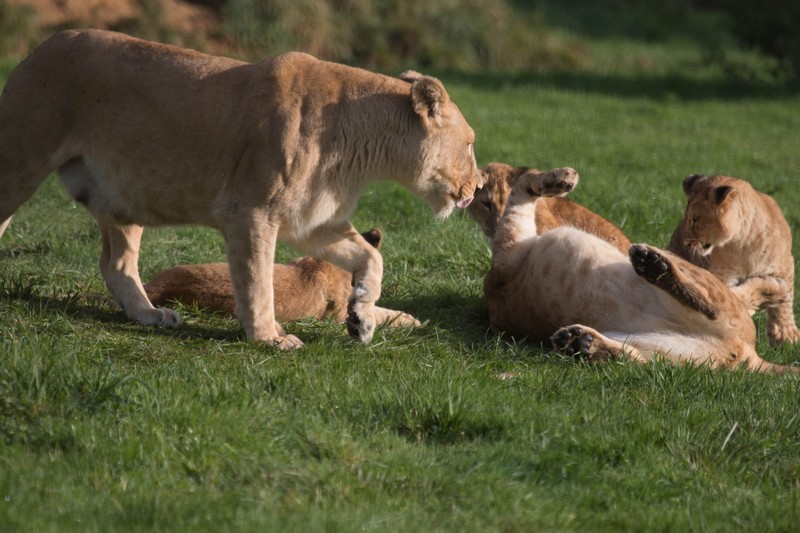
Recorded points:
(361,320)
(572,340)
(648,262)
(161,317)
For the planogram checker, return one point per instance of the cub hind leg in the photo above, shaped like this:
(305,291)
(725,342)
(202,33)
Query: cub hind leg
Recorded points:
(659,268)
(119,264)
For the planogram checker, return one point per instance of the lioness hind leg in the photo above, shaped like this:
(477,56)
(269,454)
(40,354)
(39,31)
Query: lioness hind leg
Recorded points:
(656,267)
(592,345)
(119,266)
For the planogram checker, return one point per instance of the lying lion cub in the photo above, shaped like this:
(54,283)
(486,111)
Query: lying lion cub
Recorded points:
(304,288)
(589,298)
(145,134)
(551,212)
(741,235)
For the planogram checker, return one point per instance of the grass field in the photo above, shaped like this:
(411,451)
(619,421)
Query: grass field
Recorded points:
(107,425)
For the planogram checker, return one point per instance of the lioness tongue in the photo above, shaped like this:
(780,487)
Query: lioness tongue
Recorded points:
(464,203)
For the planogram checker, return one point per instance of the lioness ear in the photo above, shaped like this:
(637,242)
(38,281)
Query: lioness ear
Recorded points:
(410,75)
(690,181)
(722,192)
(428,96)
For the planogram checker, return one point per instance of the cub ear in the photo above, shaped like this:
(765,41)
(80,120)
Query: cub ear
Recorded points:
(690,181)
(722,192)
(374,237)
(428,96)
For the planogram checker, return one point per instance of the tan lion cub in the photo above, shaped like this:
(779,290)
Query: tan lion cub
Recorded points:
(589,298)
(552,212)
(304,288)
(742,237)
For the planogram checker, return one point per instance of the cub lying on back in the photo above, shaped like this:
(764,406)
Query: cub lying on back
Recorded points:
(742,237)
(551,212)
(589,298)
(305,288)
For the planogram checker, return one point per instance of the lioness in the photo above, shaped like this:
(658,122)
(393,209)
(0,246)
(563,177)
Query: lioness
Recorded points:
(742,237)
(589,298)
(145,134)
(551,212)
(306,287)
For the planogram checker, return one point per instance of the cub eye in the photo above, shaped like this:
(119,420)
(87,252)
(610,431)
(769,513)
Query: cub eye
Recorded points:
(487,204)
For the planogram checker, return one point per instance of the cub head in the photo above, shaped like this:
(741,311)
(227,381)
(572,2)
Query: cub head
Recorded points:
(712,216)
(374,237)
(447,174)
(490,202)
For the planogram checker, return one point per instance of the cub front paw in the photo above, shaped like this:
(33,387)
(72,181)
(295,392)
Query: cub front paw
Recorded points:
(361,320)
(648,262)
(556,182)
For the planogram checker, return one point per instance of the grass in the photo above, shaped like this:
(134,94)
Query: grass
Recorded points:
(107,425)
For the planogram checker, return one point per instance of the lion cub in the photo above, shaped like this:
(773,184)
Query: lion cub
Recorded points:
(742,237)
(304,288)
(552,212)
(589,298)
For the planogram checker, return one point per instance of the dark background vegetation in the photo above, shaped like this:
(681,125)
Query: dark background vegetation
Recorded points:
(466,35)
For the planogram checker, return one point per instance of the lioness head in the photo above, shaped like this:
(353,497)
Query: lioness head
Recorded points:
(490,202)
(711,217)
(448,176)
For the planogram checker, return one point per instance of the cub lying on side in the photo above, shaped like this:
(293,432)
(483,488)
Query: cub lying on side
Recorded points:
(551,212)
(591,299)
(305,288)
(742,237)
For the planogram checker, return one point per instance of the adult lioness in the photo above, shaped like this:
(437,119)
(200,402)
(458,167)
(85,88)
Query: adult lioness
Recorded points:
(742,237)
(306,287)
(145,134)
(551,212)
(589,298)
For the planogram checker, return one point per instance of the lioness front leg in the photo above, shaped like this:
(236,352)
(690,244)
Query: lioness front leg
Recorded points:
(119,266)
(344,246)
(250,244)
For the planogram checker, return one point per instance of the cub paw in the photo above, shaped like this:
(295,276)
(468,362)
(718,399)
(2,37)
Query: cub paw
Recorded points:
(556,182)
(648,262)
(361,320)
(572,340)
(782,334)
(286,342)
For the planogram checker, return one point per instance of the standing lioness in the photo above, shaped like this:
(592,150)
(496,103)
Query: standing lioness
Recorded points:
(145,134)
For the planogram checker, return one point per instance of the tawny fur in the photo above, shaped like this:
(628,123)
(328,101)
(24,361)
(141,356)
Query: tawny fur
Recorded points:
(589,298)
(551,212)
(145,134)
(306,287)
(741,236)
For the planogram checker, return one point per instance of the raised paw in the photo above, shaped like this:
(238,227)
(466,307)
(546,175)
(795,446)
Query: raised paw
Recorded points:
(572,340)
(361,320)
(556,182)
(648,262)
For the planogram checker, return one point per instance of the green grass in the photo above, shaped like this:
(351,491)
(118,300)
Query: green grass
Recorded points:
(107,425)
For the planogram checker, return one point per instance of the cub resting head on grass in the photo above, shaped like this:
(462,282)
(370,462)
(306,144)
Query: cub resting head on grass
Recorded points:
(741,236)
(146,134)
(589,298)
(306,287)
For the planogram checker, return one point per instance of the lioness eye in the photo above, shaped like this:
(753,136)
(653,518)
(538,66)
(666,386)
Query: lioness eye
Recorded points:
(487,204)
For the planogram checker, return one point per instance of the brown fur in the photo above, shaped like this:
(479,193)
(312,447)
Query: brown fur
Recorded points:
(304,288)
(145,134)
(551,212)
(742,237)
(589,298)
